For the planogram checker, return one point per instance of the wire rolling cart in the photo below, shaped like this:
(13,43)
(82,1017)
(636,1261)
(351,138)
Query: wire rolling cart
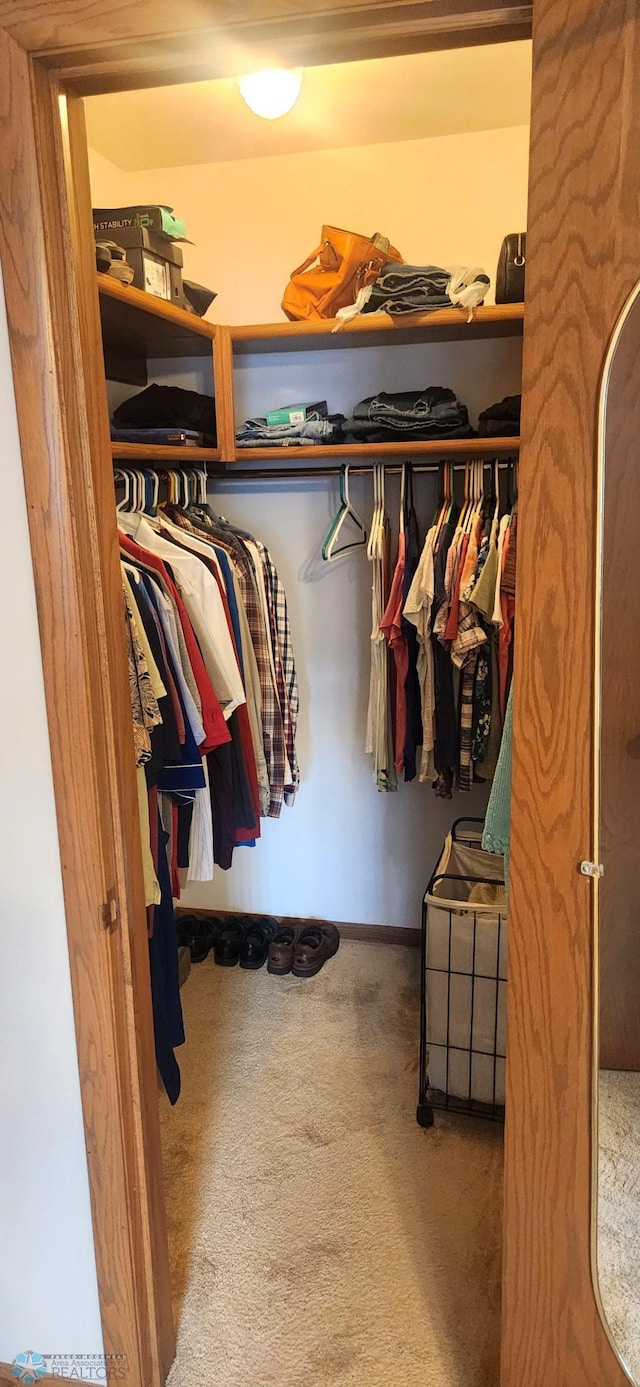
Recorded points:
(463,1008)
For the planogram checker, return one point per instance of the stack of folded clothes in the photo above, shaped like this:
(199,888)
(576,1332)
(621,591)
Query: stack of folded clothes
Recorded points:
(317,427)
(172,438)
(167,407)
(501,420)
(420,288)
(409,414)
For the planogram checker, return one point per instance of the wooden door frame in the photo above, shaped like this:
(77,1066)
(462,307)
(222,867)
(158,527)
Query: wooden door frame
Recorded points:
(50,295)
(52,309)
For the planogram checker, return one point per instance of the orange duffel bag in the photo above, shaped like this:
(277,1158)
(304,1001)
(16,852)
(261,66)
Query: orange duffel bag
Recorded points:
(332,276)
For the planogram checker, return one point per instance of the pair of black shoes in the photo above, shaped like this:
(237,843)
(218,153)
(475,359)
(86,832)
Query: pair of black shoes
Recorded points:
(242,939)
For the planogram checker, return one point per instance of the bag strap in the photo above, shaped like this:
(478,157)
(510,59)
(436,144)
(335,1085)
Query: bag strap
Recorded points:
(310,259)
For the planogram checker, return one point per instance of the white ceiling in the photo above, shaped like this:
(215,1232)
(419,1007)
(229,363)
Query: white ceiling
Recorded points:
(379,101)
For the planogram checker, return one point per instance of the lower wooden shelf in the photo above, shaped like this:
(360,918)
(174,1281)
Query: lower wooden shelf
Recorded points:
(160,452)
(438,448)
(443,447)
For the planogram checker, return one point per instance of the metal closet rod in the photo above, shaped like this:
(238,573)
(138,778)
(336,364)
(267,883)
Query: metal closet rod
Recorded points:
(238,474)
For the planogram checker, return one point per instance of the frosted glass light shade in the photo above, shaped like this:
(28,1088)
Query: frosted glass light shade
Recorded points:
(271,93)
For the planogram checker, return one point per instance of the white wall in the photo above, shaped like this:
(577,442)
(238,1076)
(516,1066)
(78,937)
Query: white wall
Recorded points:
(106,181)
(48,1287)
(344,851)
(445,200)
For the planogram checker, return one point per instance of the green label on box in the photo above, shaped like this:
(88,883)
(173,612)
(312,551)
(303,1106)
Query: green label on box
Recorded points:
(294,414)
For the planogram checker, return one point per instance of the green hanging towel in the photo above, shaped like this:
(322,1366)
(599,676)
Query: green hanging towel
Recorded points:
(497,824)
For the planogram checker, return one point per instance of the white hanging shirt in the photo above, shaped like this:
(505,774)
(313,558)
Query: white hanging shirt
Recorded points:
(201,596)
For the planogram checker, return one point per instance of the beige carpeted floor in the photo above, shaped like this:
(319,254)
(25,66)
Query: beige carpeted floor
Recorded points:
(619,1211)
(319,1237)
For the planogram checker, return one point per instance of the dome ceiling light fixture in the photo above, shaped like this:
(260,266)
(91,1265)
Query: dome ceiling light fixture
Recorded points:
(271,93)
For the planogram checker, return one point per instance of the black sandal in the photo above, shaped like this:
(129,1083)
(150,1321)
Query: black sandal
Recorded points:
(197,933)
(185,929)
(229,943)
(255,945)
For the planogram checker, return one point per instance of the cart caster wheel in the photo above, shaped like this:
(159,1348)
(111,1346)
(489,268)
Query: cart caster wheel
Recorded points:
(424,1115)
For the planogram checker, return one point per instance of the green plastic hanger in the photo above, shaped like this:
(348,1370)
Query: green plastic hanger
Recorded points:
(346,511)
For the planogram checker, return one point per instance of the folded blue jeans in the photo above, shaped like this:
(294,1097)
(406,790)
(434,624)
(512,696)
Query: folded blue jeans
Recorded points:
(256,433)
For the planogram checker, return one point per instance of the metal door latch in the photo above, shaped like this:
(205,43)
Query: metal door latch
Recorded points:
(592,869)
(110,910)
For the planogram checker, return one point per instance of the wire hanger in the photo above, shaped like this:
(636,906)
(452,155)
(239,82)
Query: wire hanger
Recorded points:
(337,517)
(125,477)
(371,546)
(462,518)
(477,494)
(442,496)
(375,547)
(446,498)
(346,511)
(513,482)
(185,487)
(496,484)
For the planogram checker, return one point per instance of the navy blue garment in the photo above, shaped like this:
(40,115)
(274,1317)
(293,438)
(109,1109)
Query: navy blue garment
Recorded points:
(223,808)
(168,1025)
(183,775)
(242,792)
(227,576)
(185,815)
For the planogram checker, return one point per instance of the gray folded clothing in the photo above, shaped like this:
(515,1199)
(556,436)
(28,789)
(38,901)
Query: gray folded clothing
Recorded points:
(412,289)
(434,412)
(409,289)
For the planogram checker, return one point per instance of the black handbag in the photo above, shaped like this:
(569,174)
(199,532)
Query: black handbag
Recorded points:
(197,299)
(511,268)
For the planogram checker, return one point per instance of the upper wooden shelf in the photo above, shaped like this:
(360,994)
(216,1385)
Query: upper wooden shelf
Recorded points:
(379,329)
(136,324)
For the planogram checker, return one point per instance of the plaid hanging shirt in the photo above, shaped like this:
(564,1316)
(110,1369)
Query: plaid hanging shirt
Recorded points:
(286,677)
(271,716)
(283,656)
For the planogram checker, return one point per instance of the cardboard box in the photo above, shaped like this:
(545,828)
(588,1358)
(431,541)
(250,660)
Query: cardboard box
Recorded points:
(295,414)
(140,238)
(155,261)
(108,220)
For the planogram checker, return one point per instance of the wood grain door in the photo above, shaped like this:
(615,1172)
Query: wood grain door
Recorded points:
(584,258)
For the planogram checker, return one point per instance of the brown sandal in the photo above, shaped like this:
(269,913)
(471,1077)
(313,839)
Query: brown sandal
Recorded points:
(281,951)
(313,946)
